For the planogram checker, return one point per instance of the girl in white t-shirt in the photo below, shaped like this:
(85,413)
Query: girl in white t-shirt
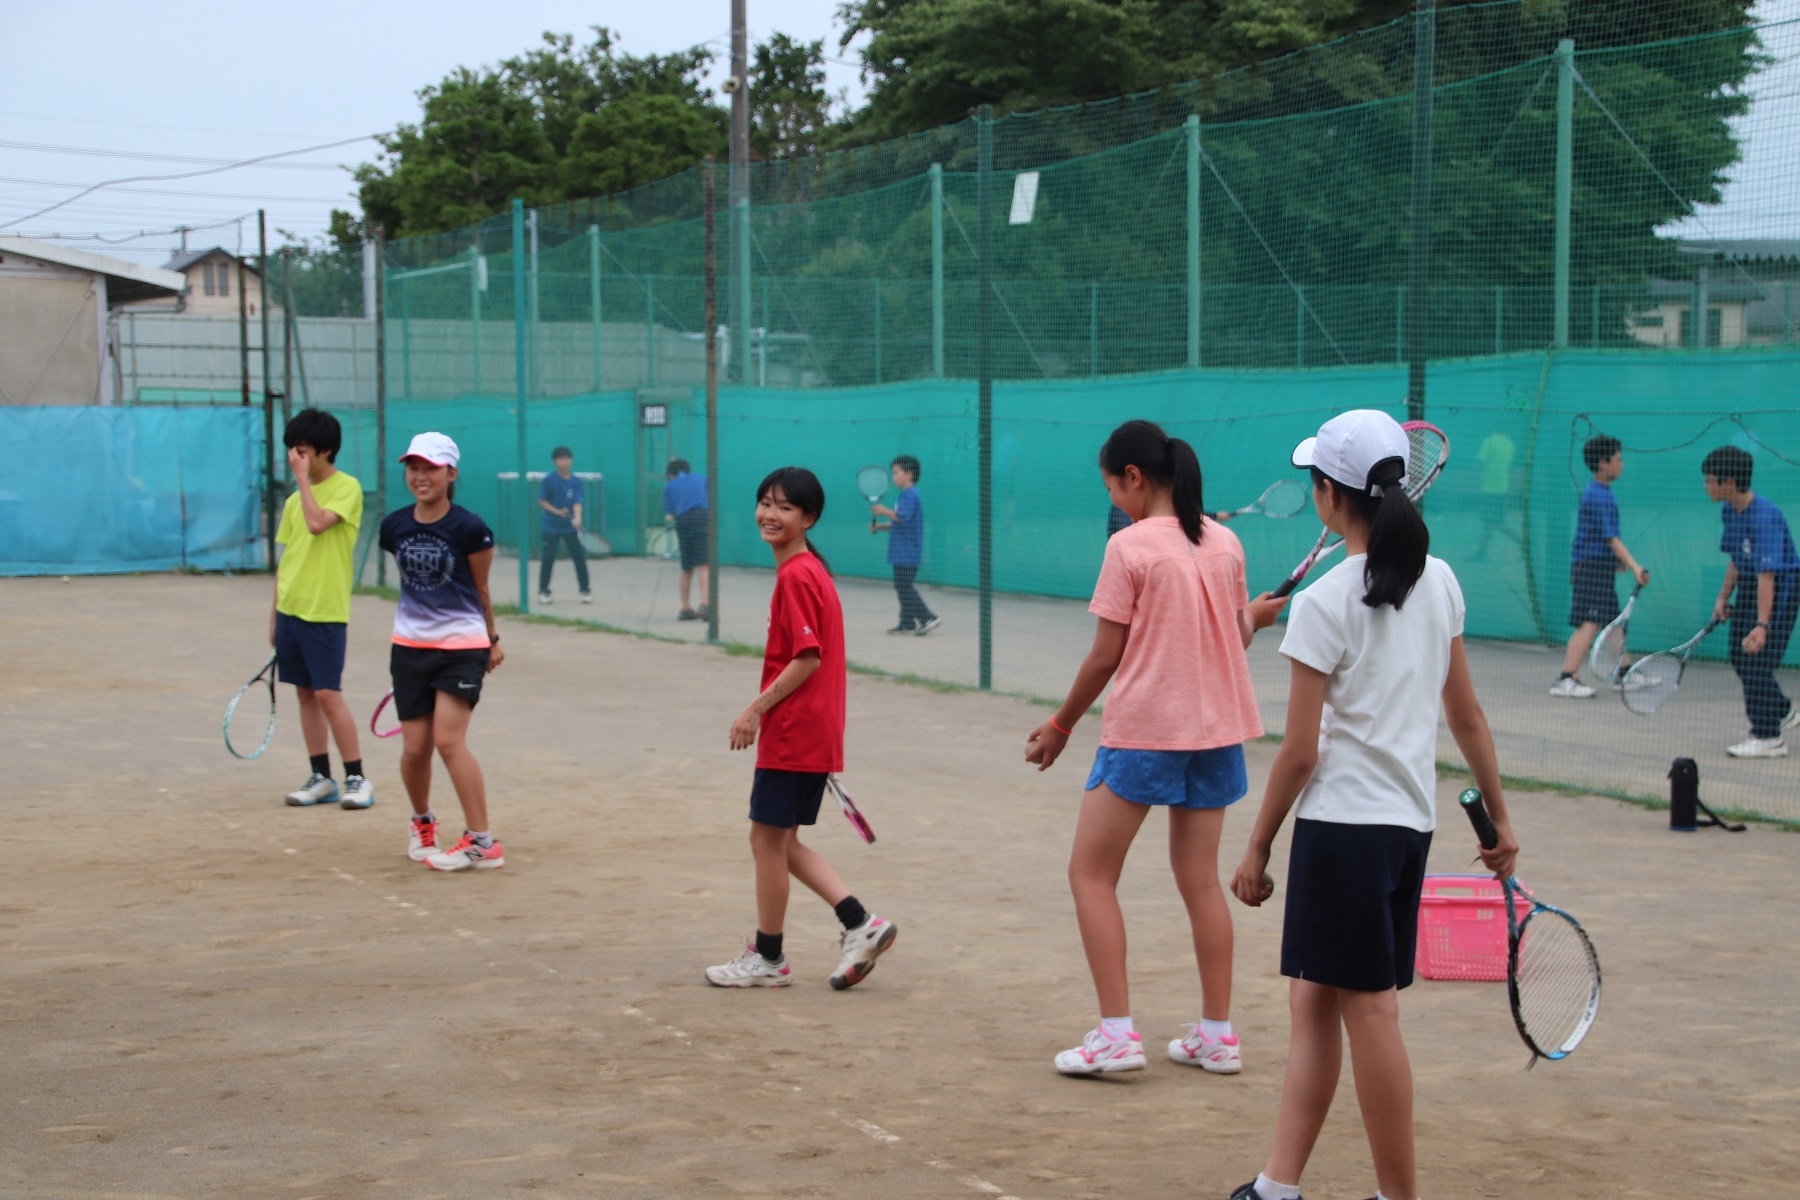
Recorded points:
(1376,653)
(1174,619)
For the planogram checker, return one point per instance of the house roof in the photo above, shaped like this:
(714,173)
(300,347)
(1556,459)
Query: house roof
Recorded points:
(126,282)
(181,262)
(1743,249)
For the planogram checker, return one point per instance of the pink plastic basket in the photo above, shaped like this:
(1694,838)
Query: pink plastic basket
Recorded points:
(1462,928)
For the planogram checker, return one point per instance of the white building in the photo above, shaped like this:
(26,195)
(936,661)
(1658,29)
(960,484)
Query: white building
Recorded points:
(54,304)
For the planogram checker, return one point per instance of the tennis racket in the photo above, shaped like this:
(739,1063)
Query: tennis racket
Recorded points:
(375,726)
(1552,973)
(848,807)
(241,720)
(872,483)
(1283,498)
(663,543)
(1427,452)
(1608,654)
(1653,679)
(595,546)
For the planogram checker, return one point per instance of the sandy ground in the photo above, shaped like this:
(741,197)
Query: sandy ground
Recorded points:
(1039,641)
(206,993)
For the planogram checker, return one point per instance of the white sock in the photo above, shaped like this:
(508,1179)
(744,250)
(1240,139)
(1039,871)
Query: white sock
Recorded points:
(1268,1189)
(484,839)
(425,817)
(1214,1030)
(1116,1027)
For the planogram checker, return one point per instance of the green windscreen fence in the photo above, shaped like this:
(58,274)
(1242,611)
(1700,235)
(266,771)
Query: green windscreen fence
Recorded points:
(1581,226)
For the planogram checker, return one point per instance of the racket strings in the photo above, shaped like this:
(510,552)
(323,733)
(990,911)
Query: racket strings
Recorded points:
(1425,451)
(1555,982)
(1612,649)
(1651,681)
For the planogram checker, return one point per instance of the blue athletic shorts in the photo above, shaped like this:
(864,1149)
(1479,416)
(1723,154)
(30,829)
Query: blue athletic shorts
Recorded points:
(310,654)
(785,799)
(1177,778)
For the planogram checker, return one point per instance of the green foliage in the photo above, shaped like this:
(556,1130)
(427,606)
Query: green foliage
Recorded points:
(789,107)
(638,138)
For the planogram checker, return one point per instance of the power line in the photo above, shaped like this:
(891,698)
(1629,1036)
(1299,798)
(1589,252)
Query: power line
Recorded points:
(97,152)
(263,158)
(172,192)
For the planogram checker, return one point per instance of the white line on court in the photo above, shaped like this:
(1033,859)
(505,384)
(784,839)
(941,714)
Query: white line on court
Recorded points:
(876,1133)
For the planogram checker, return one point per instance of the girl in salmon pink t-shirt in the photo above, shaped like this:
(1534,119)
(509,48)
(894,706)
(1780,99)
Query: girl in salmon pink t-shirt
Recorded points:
(1175,618)
(800,717)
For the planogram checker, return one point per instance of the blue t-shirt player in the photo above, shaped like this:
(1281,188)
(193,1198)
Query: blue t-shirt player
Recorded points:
(906,546)
(1595,556)
(1760,597)
(684,506)
(562,498)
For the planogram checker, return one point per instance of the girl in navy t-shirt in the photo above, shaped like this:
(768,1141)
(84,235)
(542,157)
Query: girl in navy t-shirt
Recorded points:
(800,718)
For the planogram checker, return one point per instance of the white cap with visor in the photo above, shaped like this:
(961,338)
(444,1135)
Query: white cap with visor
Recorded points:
(438,449)
(1351,445)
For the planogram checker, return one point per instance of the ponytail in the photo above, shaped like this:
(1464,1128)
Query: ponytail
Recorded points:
(1398,537)
(801,488)
(1165,461)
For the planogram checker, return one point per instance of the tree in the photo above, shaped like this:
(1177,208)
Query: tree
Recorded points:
(637,139)
(790,109)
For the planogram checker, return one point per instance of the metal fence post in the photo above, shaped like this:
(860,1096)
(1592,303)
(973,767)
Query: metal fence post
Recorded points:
(520,351)
(984,432)
(937,270)
(594,303)
(475,310)
(1193,240)
(743,289)
(878,329)
(381,449)
(1565,161)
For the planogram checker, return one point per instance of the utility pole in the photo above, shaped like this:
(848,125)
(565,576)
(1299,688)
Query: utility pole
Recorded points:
(740,189)
(262,268)
(1418,298)
(381,448)
(711,339)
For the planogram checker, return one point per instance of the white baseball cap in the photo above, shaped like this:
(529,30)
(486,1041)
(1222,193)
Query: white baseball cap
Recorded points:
(438,449)
(1350,445)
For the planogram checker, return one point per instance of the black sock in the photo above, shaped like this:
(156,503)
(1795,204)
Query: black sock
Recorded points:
(769,945)
(851,912)
(321,764)
(352,766)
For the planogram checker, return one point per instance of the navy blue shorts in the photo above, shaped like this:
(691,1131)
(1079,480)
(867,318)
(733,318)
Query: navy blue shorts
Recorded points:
(691,528)
(420,673)
(1594,597)
(785,799)
(1352,918)
(1177,778)
(310,654)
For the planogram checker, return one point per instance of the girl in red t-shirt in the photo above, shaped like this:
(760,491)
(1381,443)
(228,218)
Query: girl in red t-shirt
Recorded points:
(800,715)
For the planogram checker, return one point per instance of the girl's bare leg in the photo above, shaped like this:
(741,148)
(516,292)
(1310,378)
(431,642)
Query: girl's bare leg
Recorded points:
(415,762)
(809,867)
(1315,1058)
(1103,836)
(449,737)
(769,847)
(1384,1088)
(1194,855)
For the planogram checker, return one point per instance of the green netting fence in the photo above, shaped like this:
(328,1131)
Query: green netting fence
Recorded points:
(1237,258)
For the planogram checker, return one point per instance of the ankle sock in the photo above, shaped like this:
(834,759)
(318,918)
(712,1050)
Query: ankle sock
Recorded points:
(1268,1189)
(769,945)
(851,912)
(1212,1031)
(425,817)
(321,765)
(483,839)
(352,768)
(1116,1027)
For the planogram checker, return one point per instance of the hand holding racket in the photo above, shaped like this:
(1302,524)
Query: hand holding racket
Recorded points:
(848,807)
(1654,679)
(1552,972)
(1428,450)
(241,720)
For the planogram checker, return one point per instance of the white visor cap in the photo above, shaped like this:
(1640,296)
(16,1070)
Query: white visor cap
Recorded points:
(1351,444)
(438,449)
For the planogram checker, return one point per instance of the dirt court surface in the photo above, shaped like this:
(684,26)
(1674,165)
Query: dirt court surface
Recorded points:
(206,993)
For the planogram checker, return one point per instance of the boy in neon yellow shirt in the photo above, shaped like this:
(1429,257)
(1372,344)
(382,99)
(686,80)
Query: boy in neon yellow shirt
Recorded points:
(310,621)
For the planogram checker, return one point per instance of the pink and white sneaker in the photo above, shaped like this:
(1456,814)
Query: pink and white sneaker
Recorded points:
(421,839)
(861,947)
(1220,1056)
(466,854)
(1102,1055)
(750,969)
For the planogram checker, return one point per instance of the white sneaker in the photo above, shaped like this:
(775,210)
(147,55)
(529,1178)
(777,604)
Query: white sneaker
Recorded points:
(358,792)
(587,597)
(1101,1055)
(544,598)
(1755,747)
(316,790)
(750,969)
(1221,1057)
(927,625)
(1792,720)
(421,839)
(862,946)
(1571,688)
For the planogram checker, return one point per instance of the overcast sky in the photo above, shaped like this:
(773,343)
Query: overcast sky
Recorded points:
(98,89)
